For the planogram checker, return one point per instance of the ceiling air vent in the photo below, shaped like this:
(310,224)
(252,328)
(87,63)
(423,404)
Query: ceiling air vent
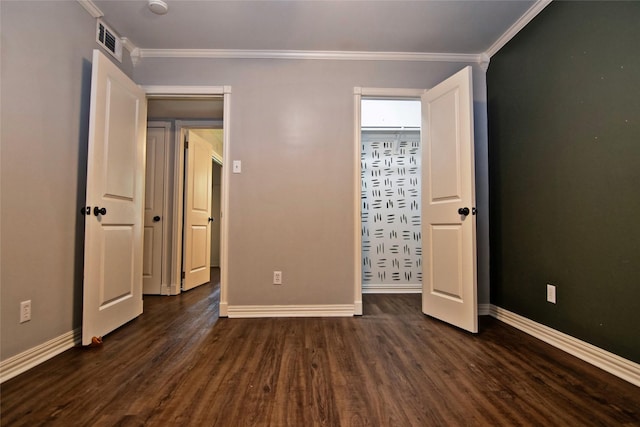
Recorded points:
(109,40)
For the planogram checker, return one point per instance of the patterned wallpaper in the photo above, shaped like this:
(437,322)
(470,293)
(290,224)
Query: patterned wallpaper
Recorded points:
(391,226)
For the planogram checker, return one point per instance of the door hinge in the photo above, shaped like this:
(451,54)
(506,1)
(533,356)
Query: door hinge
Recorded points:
(183,275)
(186,144)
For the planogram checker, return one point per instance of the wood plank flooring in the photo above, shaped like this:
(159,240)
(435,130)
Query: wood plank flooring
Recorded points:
(179,365)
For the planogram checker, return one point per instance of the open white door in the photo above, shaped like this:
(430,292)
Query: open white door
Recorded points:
(153,208)
(448,203)
(197,213)
(115,196)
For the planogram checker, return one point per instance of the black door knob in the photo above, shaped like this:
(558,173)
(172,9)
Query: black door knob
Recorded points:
(99,211)
(85,210)
(210,219)
(463,211)
(156,218)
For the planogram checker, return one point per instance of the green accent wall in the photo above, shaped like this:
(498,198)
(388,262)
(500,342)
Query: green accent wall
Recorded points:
(564,172)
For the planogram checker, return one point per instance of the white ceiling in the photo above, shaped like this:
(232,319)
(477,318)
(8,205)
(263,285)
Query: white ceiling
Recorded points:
(448,26)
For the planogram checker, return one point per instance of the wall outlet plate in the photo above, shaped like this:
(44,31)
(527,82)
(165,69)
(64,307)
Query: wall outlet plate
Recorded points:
(277,277)
(25,311)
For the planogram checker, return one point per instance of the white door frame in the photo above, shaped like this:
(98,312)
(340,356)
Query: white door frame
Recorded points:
(176,244)
(165,287)
(358,94)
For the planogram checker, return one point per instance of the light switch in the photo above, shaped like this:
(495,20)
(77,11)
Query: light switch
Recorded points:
(237,166)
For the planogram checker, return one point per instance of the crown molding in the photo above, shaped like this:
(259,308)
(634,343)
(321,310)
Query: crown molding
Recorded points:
(533,11)
(134,51)
(309,54)
(91,8)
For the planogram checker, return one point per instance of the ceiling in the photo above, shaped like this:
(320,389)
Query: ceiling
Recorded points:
(427,26)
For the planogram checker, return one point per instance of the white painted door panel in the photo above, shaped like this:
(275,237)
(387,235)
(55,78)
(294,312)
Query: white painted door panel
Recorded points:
(197,234)
(153,206)
(115,182)
(449,242)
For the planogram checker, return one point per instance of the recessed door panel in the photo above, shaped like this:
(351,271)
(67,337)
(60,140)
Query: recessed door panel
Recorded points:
(446,276)
(444,151)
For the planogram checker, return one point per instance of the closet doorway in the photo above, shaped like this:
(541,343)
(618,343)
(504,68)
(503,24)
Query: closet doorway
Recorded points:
(390,158)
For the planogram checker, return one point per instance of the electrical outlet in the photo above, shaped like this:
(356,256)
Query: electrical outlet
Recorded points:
(25,311)
(551,293)
(277,277)
(237,166)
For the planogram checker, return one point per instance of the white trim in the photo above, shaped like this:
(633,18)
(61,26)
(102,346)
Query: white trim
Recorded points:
(224,205)
(312,310)
(310,54)
(224,309)
(26,360)
(612,363)
(382,288)
(165,282)
(357,202)
(533,11)
(484,309)
(91,8)
(134,51)
(386,92)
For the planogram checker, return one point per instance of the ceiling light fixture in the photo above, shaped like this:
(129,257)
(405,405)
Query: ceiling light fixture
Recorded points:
(158,7)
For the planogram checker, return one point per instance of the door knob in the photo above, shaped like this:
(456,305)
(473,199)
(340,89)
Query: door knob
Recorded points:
(463,211)
(156,218)
(85,210)
(99,211)
(210,219)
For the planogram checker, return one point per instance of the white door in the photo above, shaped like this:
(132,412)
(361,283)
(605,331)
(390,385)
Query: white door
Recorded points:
(197,213)
(448,203)
(153,206)
(115,195)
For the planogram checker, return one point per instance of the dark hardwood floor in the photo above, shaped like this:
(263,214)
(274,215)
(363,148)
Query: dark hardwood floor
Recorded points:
(179,365)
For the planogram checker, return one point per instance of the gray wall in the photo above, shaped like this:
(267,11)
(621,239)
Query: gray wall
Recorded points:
(564,109)
(292,126)
(46,75)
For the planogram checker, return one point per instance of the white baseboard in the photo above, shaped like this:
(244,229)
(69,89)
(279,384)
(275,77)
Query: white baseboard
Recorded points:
(224,309)
(26,360)
(384,288)
(484,309)
(357,308)
(612,363)
(330,310)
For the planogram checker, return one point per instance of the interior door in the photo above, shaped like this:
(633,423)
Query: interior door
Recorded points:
(115,195)
(448,203)
(153,207)
(197,213)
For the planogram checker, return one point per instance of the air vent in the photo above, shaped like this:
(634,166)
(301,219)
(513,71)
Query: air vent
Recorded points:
(109,40)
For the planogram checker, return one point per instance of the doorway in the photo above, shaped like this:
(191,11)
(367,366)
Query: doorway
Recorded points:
(390,159)
(201,210)
(184,118)
(449,291)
